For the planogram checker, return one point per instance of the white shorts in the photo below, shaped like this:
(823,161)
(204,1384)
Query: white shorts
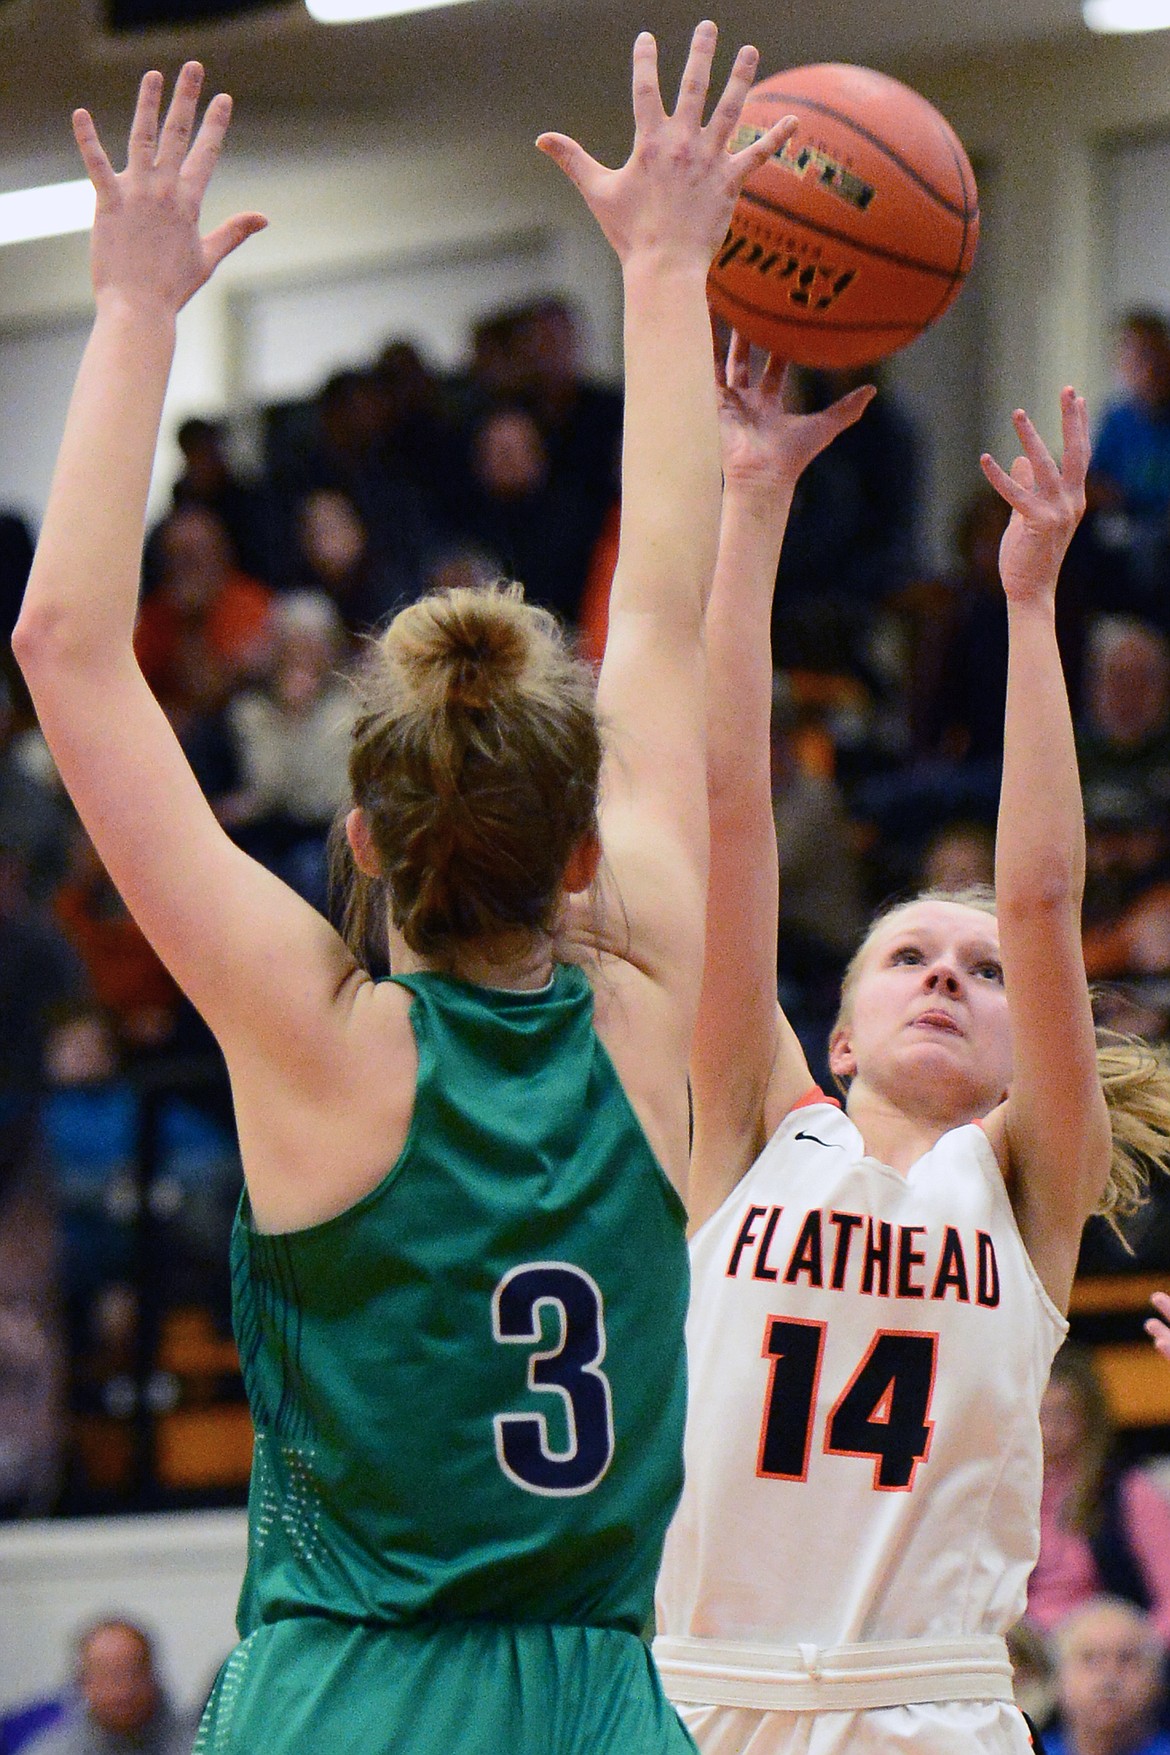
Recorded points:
(967,1727)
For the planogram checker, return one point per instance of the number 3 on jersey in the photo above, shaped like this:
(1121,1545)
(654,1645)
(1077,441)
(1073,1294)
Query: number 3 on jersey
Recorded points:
(569,1370)
(883,1412)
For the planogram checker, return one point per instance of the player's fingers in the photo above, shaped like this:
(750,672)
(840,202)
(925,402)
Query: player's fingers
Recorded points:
(93,154)
(648,108)
(720,341)
(1004,485)
(739,361)
(1023,473)
(1161,1301)
(849,408)
(776,378)
(1075,435)
(144,128)
(204,155)
(229,236)
(725,116)
(576,163)
(1036,452)
(769,145)
(180,120)
(696,76)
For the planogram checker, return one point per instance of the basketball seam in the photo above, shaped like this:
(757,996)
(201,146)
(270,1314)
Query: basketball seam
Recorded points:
(958,276)
(893,327)
(895,256)
(903,165)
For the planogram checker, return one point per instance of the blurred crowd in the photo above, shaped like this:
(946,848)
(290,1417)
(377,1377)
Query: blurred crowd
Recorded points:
(258,590)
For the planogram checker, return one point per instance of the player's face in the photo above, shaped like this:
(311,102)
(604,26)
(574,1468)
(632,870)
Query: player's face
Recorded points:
(928,1021)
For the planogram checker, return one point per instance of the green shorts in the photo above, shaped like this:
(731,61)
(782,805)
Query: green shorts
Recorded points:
(312,1686)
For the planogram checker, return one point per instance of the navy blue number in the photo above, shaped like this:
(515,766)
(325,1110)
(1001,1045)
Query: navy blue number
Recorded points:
(569,1370)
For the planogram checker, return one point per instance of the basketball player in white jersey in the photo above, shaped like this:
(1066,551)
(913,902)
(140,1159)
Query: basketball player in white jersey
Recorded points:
(878,1290)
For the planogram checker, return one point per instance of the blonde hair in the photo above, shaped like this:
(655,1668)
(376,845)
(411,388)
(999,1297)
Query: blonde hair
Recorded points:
(476,759)
(1135,1076)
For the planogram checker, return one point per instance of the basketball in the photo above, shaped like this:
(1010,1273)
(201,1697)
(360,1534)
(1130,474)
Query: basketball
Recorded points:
(858,235)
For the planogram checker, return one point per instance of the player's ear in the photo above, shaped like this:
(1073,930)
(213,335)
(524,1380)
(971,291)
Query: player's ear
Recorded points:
(361,843)
(581,870)
(842,1063)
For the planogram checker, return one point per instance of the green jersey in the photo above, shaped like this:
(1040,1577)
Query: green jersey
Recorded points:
(469,1388)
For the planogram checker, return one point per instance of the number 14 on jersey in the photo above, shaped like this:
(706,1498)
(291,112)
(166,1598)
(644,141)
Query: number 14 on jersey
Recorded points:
(883,1412)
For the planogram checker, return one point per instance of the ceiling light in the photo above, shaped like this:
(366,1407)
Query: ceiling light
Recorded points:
(47,212)
(1127,15)
(356,11)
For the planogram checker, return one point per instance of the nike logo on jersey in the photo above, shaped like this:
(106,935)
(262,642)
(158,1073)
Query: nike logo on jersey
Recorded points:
(829,1145)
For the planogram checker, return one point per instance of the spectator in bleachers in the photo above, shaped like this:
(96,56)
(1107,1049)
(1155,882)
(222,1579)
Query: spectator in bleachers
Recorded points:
(960,673)
(349,453)
(1102,1528)
(1033,1672)
(957,633)
(135,993)
(209,479)
(1124,736)
(961,856)
(1124,753)
(205,612)
(1129,482)
(492,373)
(292,740)
(120,1706)
(1109,1682)
(334,554)
(42,997)
(581,421)
(822,904)
(418,432)
(35,817)
(852,536)
(538,525)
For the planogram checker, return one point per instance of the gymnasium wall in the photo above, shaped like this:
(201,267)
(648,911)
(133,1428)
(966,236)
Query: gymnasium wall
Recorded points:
(178,1576)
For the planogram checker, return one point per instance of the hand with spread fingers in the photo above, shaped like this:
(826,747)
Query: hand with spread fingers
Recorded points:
(1047,500)
(765,442)
(678,165)
(146,243)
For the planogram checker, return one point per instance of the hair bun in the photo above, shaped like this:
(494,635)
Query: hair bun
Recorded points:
(477,758)
(472,646)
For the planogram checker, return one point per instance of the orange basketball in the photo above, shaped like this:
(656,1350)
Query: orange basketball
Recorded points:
(858,235)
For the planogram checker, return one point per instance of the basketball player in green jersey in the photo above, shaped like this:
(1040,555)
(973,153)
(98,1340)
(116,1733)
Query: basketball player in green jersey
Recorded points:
(459,1267)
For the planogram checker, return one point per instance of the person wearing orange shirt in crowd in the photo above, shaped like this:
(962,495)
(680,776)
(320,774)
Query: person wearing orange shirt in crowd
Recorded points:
(203,613)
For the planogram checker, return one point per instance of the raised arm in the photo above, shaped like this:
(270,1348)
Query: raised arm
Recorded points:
(1054,1125)
(747,1067)
(260,964)
(665,212)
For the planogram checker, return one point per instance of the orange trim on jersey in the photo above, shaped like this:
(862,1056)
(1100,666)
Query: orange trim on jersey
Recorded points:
(816,1095)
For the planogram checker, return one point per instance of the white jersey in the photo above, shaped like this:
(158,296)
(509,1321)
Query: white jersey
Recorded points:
(867,1355)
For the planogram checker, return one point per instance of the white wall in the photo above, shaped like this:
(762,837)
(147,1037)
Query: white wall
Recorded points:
(1139,250)
(179,1576)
